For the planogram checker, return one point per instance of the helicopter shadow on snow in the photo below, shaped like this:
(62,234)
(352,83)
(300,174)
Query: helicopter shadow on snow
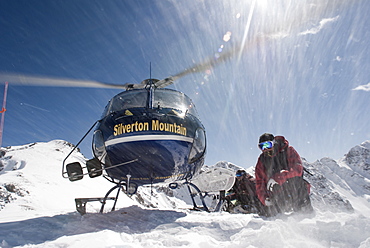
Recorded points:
(130,220)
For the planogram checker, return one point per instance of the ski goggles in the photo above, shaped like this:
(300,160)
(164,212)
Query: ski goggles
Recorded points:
(266,145)
(239,174)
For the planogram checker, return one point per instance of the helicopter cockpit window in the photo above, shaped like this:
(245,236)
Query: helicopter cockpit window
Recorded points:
(174,100)
(128,100)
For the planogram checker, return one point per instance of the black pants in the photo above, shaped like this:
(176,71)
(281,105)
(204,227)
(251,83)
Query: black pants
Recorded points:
(291,196)
(253,203)
(250,203)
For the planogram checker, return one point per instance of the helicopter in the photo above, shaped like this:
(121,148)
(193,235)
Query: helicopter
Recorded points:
(147,135)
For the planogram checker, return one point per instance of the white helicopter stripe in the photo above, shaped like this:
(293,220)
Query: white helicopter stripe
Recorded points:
(147,137)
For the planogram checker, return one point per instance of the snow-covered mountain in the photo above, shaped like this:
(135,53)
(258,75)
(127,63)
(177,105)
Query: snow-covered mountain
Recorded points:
(37,208)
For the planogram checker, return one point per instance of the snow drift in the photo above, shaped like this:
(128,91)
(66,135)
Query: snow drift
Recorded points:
(37,208)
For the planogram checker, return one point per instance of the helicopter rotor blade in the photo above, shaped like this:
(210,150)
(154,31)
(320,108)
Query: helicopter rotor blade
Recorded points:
(207,64)
(165,82)
(130,86)
(26,80)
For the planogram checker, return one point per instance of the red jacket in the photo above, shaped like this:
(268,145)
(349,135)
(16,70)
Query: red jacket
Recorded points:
(280,167)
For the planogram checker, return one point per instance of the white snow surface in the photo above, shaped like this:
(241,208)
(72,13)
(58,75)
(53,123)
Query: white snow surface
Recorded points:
(37,208)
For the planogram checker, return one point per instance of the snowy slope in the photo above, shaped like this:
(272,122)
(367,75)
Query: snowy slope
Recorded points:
(37,208)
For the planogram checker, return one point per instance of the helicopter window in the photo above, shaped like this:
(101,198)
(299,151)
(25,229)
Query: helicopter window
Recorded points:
(106,109)
(127,100)
(199,146)
(98,145)
(174,100)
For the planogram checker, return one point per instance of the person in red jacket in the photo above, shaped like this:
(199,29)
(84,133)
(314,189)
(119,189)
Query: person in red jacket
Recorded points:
(279,177)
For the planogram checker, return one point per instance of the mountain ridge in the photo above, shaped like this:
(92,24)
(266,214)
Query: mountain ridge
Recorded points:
(333,181)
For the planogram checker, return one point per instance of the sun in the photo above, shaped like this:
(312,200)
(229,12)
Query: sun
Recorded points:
(262,4)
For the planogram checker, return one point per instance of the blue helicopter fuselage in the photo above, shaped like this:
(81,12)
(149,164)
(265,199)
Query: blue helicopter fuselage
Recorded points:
(150,136)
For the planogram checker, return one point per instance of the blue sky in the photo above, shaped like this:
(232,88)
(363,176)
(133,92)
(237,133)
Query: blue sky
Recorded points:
(296,81)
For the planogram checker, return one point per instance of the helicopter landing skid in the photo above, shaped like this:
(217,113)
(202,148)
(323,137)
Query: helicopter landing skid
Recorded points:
(81,202)
(202,196)
(198,192)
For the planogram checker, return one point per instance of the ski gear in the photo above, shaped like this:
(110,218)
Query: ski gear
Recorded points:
(266,137)
(240,173)
(270,184)
(266,145)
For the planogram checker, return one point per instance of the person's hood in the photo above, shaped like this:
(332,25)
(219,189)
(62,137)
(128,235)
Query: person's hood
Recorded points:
(281,143)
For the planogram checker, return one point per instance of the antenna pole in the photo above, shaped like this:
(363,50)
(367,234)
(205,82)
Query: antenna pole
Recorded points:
(150,70)
(150,74)
(3,113)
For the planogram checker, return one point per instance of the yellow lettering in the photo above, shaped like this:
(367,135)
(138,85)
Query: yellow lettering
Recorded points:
(115,130)
(128,128)
(155,124)
(144,126)
(134,127)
